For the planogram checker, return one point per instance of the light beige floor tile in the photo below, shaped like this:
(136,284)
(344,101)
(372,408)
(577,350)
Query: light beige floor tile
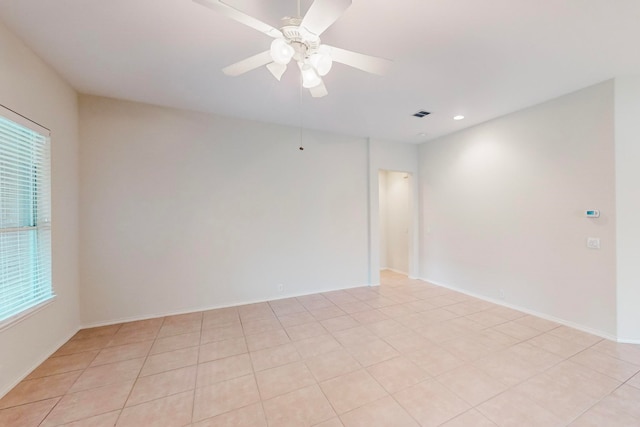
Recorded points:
(506,367)
(221,349)
(507,313)
(537,357)
(487,318)
(296,319)
(611,366)
(578,377)
(369,316)
(339,323)
(384,328)
(99,376)
(430,403)
(131,336)
(333,364)
(249,416)
(564,401)
(407,342)
(327,313)
(83,345)
(162,385)
(435,360)
(275,356)
(354,307)
(123,352)
(381,413)
(627,352)
(352,390)
(314,346)
(333,422)
(260,310)
(600,415)
(625,399)
(471,384)
(397,373)
(538,323)
(100,331)
(221,333)
(220,317)
(223,369)
(471,418)
(467,349)
(635,381)
(29,415)
(171,411)
(306,330)
(398,310)
(267,339)
(183,325)
(170,360)
(516,330)
(225,396)
(176,342)
(303,407)
(258,326)
(556,345)
(283,379)
(355,336)
(372,352)
(575,335)
(88,403)
(512,408)
(286,306)
(103,420)
(39,389)
(60,364)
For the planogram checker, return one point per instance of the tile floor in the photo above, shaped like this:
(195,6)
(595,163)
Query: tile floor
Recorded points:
(405,354)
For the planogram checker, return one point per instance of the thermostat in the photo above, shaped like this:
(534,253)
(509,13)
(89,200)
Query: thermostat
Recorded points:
(593,213)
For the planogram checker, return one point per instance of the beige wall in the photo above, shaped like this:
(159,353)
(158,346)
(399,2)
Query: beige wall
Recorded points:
(503,209)
(184,211)
(395,219)
(31,88)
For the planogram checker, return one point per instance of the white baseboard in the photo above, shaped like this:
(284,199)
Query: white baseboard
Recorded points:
(211,307)
(565,322)
(7,388)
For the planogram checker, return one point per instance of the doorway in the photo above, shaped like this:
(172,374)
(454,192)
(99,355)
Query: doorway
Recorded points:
(395,213)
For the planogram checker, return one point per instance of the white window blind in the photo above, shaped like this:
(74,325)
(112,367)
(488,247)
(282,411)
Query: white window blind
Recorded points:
(25,225)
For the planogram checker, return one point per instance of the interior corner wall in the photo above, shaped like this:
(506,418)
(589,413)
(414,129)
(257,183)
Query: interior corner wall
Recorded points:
(503,209)
(382,203)
(183,211)
(31,88)
(627,135)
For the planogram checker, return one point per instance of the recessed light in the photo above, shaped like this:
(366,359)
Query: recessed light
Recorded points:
(422,134)
(458,118)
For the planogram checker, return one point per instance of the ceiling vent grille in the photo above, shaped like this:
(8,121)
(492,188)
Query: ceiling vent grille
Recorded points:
(421,114)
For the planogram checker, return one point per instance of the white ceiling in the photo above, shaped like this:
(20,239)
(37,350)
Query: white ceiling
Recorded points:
(481,59)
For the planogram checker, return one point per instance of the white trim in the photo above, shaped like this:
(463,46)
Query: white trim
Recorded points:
(529,311)
(213,307)
(19,317)
(39,362)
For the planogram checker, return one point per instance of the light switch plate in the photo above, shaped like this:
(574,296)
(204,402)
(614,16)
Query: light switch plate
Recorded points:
(593,242)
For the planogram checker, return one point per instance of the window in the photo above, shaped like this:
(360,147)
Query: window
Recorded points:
(25,226)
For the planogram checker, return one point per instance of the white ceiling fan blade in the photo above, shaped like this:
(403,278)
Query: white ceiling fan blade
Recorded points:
(241,17)
(319,91)
(277,69)
(322,14)
(248,64)
(370,64)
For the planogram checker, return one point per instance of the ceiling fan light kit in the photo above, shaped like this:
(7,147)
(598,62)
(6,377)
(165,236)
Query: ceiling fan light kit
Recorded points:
(299,40)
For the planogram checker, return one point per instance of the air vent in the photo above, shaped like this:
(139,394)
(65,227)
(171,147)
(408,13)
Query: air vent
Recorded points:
(421,113)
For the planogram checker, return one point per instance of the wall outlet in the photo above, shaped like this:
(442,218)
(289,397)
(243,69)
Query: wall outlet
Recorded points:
(501,293)
(593,242)
(280,287)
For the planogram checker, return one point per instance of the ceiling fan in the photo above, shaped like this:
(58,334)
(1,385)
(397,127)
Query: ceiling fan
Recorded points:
(299,39)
